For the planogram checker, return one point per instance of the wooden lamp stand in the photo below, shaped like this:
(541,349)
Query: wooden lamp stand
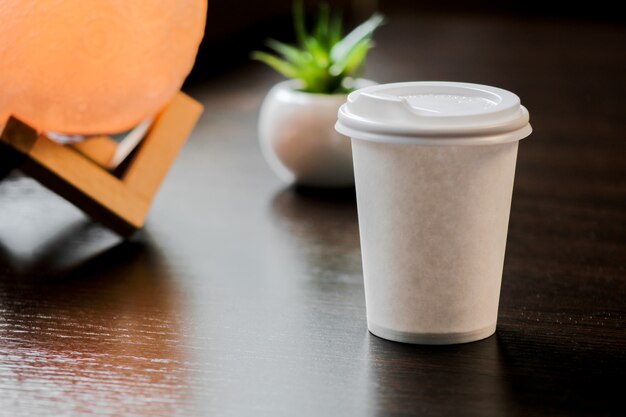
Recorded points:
(119,199)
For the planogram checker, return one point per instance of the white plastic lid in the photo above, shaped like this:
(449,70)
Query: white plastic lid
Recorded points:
(434,113)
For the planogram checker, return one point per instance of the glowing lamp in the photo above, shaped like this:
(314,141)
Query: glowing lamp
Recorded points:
(90,67)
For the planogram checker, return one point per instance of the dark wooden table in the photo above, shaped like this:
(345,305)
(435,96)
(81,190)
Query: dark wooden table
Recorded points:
(244,297)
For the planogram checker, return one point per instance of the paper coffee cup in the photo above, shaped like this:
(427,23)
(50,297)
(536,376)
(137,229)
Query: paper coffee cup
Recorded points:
(434,166)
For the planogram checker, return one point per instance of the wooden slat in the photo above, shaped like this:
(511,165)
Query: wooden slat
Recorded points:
(161,146)
(100,149)
(77,179)
(11,134)
(19,135)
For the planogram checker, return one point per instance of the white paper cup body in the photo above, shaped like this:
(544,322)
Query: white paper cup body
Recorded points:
(433,222)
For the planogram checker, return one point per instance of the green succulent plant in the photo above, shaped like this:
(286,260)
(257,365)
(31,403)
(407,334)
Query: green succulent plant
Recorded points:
(324,61)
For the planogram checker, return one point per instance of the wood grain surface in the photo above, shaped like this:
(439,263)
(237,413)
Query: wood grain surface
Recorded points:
(244,297)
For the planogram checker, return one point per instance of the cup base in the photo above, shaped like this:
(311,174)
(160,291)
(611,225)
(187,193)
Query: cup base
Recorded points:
(431,338)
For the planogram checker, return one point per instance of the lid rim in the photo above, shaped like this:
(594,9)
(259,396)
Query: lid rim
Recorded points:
(455,140)
(354,121)
(440,112)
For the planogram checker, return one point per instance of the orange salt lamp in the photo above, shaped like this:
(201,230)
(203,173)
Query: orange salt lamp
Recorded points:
(90,67)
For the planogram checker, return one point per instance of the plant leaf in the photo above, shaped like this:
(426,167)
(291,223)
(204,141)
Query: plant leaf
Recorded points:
(361,32)
(321,56)
(334,30)
(353,60)
(290,53)
(298,22)
(321,27)
(283,67)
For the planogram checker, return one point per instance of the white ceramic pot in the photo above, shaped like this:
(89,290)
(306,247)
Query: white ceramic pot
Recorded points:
(298,137)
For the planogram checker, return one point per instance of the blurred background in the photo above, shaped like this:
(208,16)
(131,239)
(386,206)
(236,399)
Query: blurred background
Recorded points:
(233,31)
